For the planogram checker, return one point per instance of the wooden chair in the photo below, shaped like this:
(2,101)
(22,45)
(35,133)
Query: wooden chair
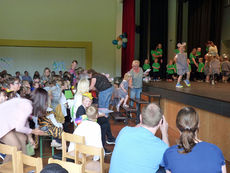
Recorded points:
(69,166)
(91,166)
(31,163)
(67,137)
(11,166)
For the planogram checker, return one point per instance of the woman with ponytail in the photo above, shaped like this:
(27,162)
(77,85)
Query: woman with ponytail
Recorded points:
(192,155)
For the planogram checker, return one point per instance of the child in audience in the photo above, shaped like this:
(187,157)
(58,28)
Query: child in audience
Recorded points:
(49,124)
(3,95)
(182,65)
(90,129)
(156,68)
(170,71)
(86,102)
(225,66)
(200,70)
(123,92)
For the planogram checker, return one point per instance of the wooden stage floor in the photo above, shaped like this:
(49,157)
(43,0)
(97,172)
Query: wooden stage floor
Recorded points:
(220,91)
(212,98)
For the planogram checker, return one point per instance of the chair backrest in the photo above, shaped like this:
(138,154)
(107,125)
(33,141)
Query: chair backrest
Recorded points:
(23,159)
(69,166)
(86,150)
(67,137)
(9,150)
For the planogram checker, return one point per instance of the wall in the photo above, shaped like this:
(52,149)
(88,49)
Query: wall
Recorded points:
(69,20)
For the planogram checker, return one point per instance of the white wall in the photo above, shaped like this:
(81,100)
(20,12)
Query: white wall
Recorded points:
(64,20)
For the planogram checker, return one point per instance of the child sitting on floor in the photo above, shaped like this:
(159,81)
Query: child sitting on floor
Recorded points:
(90,129)
(123,91)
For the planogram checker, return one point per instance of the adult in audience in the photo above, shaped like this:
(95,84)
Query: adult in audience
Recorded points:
(101,83)
(192,155)
(13,84)
(18,75)
(73,72)
(14,119)
(36,75)
(137,149)
(27,77)
(136,74)
(46,76)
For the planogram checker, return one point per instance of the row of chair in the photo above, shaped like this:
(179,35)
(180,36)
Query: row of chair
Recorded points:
(89,165)
(84,164)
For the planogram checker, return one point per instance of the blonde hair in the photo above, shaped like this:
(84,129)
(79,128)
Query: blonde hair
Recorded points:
(126,76)
(91,112)
(83,86)
(135,62)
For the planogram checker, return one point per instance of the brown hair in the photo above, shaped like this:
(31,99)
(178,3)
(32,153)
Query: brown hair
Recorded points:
(91,112)
(39,98)
(187,122)
(91,71)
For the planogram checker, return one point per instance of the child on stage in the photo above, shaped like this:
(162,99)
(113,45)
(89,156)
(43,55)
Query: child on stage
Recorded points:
(182,65)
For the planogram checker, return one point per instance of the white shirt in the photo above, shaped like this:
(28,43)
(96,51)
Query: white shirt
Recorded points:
(92,133)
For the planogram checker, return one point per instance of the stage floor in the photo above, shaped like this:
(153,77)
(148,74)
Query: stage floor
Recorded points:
(220,91)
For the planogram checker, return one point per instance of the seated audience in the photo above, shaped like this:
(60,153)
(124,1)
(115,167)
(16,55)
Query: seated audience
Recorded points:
(137,149)
(90,129)
(53,168)
(192,155)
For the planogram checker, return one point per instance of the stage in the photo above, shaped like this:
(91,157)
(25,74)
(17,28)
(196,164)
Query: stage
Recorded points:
(213,98)
(212,103)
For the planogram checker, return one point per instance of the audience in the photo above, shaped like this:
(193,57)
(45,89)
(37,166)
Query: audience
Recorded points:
(90,129)
(14,129)
(192,155)
(137,149)
(53,168)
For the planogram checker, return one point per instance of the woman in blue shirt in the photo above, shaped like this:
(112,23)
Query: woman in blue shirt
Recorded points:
(192,155)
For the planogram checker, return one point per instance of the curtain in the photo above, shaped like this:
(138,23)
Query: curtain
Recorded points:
(128,26)
(179,20)
(158,28)
(204,23)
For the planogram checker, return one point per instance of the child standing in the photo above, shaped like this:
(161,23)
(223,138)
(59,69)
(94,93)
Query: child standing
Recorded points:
(214,68)
(156,69)
(200,70)
(146,65)
(182,65)
(225,66)
(123,91)
(170,71)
